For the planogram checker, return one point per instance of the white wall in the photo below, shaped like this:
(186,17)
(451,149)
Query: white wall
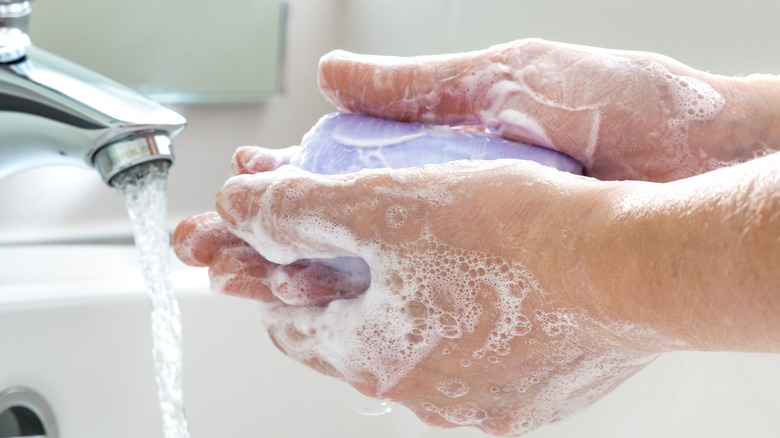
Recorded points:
(734,37)
(725,37)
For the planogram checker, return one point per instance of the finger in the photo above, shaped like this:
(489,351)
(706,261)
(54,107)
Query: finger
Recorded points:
(290,214)
(253,159)
(241,272)
(237,269)
(317,283)
(198,238)
(430,89)
(234,267)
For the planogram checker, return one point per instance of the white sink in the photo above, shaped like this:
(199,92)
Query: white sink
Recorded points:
(75,327)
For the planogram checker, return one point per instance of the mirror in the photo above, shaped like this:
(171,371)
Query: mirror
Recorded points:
(172,50)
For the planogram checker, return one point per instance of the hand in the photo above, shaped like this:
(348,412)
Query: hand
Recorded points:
(477,321)
(624,115)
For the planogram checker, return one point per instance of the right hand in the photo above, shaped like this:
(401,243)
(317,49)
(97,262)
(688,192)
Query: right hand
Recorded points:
(623,115)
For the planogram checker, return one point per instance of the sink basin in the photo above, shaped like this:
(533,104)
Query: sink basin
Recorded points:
(75,327)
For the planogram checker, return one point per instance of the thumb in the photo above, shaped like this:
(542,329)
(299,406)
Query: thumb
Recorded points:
(288,214)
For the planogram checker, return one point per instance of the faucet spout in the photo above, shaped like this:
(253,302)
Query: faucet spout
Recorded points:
(53,111)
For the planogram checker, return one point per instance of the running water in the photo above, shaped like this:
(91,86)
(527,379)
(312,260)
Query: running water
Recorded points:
(143,188)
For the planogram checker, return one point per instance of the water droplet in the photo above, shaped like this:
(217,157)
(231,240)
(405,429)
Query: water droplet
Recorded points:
(365,405)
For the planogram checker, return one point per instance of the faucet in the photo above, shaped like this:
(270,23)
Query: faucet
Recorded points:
(53,111)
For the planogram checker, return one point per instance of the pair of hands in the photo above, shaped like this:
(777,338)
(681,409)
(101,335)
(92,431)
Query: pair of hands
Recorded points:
(485,304)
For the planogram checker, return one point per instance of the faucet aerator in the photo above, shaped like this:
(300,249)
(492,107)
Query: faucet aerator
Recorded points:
(115,158)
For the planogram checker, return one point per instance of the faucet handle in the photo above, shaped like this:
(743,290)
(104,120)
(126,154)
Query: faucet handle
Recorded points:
(14,17)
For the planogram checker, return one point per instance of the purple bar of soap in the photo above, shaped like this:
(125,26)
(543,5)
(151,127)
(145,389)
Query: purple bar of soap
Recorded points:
(345,143)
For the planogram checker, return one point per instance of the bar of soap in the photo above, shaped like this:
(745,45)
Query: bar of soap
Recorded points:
(345,143)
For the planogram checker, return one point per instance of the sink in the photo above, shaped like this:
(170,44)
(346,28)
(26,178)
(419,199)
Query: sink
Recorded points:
(75,328)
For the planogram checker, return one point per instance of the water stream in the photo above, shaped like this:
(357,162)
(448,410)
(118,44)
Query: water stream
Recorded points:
(144,190)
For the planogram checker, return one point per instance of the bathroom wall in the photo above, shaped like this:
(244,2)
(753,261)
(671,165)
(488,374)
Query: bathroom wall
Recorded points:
(721,36)
(725,37)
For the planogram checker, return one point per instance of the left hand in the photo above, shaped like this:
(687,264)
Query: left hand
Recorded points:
(622,114)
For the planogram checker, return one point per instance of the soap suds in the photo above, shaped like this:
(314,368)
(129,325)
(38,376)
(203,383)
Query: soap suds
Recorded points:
(403,314)
(453,388)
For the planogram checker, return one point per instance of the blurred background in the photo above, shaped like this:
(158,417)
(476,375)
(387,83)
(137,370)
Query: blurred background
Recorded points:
(67,204)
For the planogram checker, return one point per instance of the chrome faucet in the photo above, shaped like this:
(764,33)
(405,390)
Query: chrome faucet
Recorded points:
(53,111)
